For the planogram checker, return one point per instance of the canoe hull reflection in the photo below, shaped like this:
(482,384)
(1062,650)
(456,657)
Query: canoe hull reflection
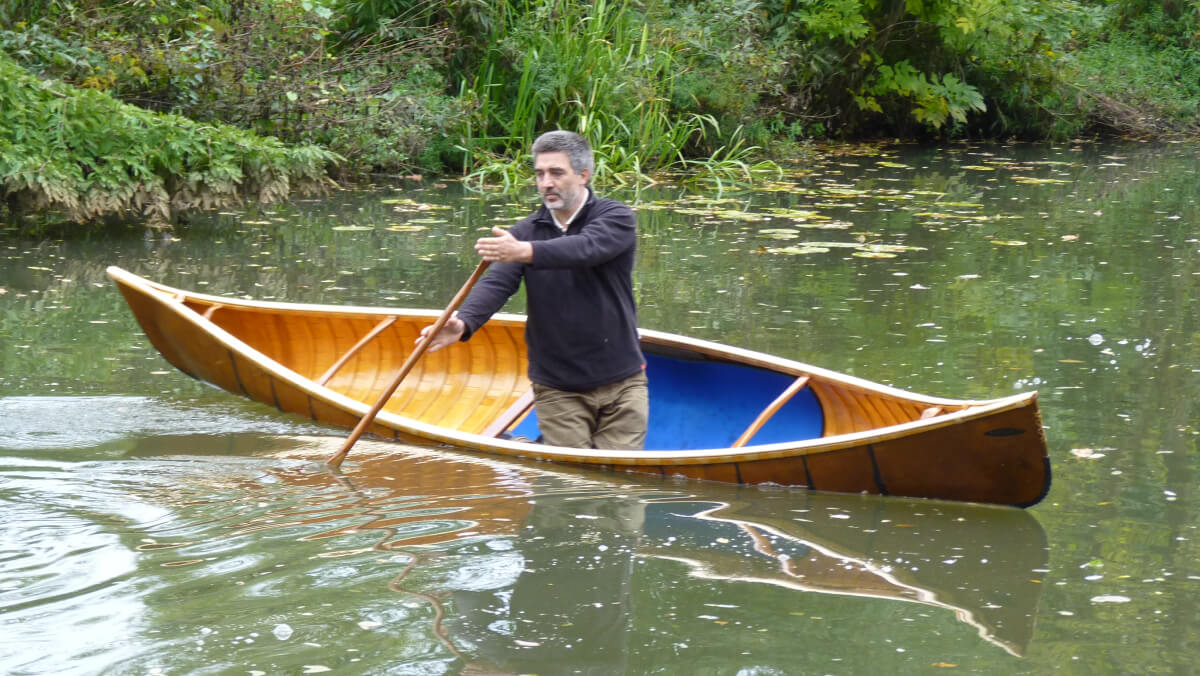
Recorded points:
(716,412)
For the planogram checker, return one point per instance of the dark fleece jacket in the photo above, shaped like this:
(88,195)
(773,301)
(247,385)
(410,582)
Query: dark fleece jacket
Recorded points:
(582,326)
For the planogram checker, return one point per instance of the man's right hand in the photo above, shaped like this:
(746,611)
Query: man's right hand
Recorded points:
(451,333)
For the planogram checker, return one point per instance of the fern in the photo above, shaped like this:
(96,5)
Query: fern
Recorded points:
(85,154)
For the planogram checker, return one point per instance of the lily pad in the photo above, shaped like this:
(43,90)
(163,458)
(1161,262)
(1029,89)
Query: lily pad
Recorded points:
(798,214)
(798,250)
(1032,180)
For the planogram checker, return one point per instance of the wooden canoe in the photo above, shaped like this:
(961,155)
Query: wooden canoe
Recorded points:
(717,412)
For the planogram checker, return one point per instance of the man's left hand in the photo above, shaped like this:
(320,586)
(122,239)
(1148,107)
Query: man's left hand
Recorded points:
(504,248)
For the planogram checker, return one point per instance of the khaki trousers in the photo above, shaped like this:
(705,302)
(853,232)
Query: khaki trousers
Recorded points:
(609,417)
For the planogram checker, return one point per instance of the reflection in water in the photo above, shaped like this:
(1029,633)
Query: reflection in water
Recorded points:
(575,599)
(984,566)
(524,568)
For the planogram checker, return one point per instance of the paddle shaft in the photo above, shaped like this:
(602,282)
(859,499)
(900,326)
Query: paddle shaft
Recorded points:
(422,346)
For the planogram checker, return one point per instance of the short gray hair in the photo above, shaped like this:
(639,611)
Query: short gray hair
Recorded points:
(578,151)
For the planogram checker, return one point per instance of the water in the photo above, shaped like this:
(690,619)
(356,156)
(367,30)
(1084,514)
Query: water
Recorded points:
(156,525)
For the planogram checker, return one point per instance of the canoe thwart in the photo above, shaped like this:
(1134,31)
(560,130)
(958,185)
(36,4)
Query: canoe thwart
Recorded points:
(362,342)
(510,416)
(772,409)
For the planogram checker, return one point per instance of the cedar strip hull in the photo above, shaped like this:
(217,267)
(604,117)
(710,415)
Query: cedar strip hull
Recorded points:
(872,438)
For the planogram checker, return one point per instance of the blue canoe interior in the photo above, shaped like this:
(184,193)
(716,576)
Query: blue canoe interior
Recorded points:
(699,403)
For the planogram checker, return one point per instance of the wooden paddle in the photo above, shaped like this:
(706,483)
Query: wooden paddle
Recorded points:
(336,459)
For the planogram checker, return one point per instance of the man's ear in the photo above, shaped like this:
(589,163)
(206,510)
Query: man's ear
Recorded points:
(587,176)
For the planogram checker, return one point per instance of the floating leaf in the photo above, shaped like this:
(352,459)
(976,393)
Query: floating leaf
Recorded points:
(780,233)
(1111,598)
(405,204)
(843,192)
(978,167)
(893,165)
(407,228)
(1030,180)
(1008,242)
(351,228)
(873,254)
(798,250)
(890,248)
(797,214)
(836,245)
(738,215)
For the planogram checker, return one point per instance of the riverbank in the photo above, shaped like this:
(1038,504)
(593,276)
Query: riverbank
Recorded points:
(725,89)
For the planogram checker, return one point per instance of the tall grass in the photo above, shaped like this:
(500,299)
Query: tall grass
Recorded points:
(593,68)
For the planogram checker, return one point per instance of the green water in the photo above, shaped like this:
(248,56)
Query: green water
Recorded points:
(155,525)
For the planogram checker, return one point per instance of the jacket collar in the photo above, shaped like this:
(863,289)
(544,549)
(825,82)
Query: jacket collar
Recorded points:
(543,214)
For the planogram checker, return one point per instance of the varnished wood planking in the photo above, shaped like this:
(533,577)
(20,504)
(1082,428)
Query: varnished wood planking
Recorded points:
(461,394)
(783,471)
(965,463)
(847,470)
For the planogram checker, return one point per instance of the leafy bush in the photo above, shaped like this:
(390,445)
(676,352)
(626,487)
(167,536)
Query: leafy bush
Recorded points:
(278,68)
(82,152)
(1140,75)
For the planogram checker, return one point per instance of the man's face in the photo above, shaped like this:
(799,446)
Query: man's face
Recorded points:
(560,186)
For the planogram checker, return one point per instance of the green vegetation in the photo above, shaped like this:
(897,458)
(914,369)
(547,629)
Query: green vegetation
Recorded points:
(711,89)
(84,153)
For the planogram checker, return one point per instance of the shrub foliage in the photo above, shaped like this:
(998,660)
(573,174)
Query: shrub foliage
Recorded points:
(82,152)
(719,86)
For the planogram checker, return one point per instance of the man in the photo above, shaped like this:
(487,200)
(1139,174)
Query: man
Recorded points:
(576,255)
